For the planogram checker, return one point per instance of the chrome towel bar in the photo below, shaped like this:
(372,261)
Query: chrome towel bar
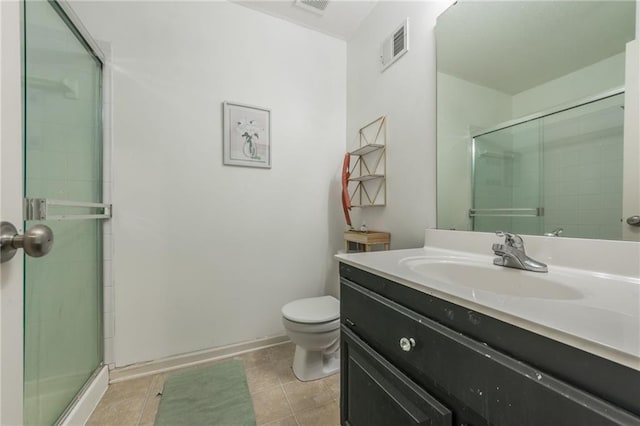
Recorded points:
(38,209)
(508,212)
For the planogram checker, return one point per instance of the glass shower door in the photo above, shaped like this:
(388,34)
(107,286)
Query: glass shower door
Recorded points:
(507,172)
(63,166)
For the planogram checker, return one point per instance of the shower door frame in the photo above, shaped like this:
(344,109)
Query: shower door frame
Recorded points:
(551,111)
(12,118)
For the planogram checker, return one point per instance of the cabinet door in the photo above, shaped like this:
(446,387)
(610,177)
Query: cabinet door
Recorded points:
(376,393)
(466,374)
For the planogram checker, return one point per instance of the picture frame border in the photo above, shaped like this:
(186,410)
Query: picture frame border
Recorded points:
(226,137)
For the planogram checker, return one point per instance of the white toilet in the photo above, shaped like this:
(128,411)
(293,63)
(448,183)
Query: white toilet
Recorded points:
(313,324)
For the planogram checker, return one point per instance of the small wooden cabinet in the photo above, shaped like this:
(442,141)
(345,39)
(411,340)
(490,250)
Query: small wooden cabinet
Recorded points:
(411,358)
(366,241)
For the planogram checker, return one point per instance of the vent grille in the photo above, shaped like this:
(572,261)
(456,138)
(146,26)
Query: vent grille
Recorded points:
(317,6)
(396,45)
(398,41)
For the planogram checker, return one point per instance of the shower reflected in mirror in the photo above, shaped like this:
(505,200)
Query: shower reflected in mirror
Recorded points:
(530,116)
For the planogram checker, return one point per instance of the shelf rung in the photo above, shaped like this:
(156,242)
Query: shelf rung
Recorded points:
(366,149)
(365,178)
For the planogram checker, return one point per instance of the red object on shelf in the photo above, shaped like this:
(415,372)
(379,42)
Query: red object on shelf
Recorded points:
(346,203)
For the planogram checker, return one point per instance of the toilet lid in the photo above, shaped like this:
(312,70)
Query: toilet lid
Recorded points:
(312,310)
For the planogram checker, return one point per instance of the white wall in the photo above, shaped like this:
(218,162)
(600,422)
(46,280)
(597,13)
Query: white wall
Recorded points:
(405,93)
(11,273)
(204,254)
(589,81)
(465,108)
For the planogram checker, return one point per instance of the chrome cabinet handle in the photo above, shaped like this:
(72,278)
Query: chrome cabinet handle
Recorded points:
(406,344)
(633,220)
(36,241)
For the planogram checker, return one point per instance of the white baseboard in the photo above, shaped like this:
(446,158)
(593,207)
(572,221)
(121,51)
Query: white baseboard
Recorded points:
(191,359)
(80,412)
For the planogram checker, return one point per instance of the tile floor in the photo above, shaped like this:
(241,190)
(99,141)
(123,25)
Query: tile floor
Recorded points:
(278,397)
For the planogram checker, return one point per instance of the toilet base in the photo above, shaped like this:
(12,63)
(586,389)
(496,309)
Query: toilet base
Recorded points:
(314,365)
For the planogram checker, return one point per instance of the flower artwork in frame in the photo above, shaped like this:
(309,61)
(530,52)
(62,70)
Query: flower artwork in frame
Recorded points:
(247,135)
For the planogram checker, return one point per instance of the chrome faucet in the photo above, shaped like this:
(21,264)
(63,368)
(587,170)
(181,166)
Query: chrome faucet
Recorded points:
(512,255)
(555,233)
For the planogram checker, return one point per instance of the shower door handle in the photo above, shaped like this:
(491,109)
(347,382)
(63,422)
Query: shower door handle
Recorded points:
(633,220)
(37,241)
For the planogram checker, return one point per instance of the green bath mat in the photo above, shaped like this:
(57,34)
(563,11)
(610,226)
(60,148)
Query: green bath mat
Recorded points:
(216,395)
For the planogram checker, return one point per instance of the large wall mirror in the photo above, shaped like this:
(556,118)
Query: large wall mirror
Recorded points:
(531,117)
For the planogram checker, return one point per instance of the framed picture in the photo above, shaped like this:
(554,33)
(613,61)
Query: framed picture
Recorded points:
(247,135)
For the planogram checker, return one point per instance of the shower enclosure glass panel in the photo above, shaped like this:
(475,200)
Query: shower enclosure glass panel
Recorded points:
(63,161)
(563,170)
(507,186)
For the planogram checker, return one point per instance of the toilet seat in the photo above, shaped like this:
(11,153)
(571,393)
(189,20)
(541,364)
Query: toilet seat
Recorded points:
(312,310)
(311,328)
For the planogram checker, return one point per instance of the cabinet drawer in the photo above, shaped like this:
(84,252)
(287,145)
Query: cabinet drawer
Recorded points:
(380,394)
(453,367)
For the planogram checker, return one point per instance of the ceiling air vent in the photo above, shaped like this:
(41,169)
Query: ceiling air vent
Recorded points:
(316,6)
(396,45)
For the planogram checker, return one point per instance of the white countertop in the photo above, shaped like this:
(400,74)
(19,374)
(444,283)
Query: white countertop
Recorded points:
(604,317)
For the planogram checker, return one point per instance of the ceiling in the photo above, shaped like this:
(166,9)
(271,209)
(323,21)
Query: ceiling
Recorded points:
(340,19)
(514,46)
(543,40)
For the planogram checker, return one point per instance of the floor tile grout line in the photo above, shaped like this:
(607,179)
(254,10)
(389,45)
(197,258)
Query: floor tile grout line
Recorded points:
(295,419)
(146,399)
(307,410)
(278,385)
(144,404)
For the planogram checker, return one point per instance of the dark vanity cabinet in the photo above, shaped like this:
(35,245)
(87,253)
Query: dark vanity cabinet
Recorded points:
(410,358)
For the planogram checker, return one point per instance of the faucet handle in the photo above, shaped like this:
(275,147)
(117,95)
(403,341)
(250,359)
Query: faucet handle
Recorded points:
(511,240)
(555,233)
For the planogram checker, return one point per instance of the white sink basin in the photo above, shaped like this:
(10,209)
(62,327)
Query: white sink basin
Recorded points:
(487,277)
